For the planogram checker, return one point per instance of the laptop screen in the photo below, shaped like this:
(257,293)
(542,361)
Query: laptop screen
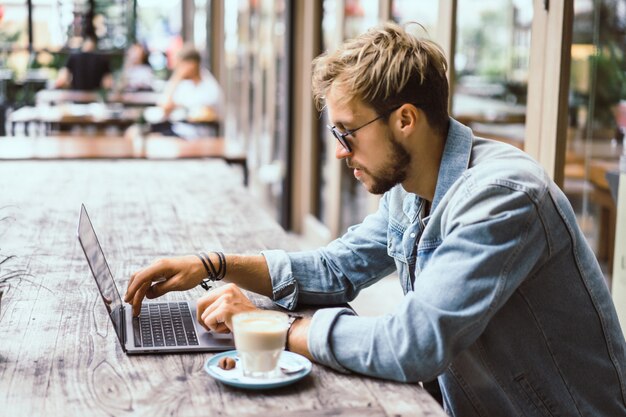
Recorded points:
(101,272)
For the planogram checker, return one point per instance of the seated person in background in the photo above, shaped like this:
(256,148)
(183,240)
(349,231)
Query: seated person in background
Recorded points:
(192,87)
(505,304)
(191,95)
(137,74)
(85,70)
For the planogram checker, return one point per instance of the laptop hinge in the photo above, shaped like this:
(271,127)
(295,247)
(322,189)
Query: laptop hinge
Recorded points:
(123,326)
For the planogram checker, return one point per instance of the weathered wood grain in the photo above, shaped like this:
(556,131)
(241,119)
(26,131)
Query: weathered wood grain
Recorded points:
(58,353)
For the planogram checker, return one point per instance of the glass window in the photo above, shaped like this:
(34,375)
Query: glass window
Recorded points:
(597,122)
(330,41)
(424,12)
(491,67)
(235,61)
(334,184)
(51,20)
(257,92)
(200,25)
(112,23)
(159,26)
(356,201)
(14,36)
(13,25)
(359,16)
(58,25)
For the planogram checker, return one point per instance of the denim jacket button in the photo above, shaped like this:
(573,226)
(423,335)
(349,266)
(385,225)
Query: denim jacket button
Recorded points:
(412,235)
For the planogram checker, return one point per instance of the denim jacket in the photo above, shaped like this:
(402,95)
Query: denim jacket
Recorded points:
(504,300)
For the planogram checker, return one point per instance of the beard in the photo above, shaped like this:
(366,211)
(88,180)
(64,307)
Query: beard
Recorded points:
(392,173)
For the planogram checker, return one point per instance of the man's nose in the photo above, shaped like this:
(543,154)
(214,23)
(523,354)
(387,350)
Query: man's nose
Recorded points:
(341,152)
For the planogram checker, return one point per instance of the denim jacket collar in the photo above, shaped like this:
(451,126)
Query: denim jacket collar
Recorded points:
(455,159)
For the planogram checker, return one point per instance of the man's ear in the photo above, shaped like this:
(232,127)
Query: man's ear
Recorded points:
(408,117)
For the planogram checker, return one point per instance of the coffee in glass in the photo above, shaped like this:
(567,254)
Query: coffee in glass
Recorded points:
(260,338)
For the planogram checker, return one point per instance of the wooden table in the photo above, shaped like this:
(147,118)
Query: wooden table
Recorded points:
(112,147)
(59,355)
(48,119)
(65,117)
(130,98)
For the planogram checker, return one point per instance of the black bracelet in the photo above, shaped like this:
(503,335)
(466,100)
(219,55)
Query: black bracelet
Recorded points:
(222,268)
(206,267)
(205,282)
(213,273)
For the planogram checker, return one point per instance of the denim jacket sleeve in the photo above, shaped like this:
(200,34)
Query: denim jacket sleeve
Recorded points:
(336,273)
(476,250)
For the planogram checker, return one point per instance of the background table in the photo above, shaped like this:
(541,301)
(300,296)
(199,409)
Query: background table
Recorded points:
(152,146)
(131,98)
(59,355)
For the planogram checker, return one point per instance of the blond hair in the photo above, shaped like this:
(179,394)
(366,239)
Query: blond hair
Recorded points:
(385,68)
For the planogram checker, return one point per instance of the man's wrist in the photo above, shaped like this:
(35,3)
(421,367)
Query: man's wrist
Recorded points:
(198,273)
(214,264)
(293,318)
(297,337)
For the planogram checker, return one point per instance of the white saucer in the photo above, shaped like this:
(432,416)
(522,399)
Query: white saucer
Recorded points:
(235,378)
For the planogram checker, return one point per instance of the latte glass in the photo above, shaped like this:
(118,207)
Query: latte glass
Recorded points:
(260,338)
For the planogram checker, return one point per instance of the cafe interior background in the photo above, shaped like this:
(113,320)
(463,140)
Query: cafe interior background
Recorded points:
(554,88)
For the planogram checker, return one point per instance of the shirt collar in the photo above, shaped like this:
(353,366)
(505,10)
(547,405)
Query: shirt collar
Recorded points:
(455,159)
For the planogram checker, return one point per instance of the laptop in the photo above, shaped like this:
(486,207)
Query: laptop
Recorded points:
(162,327)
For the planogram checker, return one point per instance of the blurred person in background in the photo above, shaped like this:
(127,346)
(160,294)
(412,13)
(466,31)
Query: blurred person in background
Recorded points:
(137,74)
(86,69)
(192,87)
(192,99)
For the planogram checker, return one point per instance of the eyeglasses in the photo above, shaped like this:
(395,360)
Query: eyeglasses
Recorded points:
(341,136)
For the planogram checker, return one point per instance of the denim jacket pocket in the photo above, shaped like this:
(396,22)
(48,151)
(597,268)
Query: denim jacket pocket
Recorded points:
(403,267)
(424,252)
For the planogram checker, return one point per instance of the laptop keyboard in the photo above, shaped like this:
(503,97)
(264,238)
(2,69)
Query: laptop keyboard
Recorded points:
(164,324)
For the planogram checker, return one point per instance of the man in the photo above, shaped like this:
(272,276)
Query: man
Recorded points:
(504,301)
(86,70)
(193,90)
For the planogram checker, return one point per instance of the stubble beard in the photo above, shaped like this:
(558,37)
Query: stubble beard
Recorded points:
(392,173)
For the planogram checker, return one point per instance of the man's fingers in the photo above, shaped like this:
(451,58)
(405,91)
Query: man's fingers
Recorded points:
(158,269)
(214,317)
(210,298)
(138,298)
(128,295)
(217,317)
(221,328)
(148,290)
(209,310)
(205,305)
(132,278)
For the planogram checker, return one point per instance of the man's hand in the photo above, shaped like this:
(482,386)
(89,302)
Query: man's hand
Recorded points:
(162,276)
(217,308)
